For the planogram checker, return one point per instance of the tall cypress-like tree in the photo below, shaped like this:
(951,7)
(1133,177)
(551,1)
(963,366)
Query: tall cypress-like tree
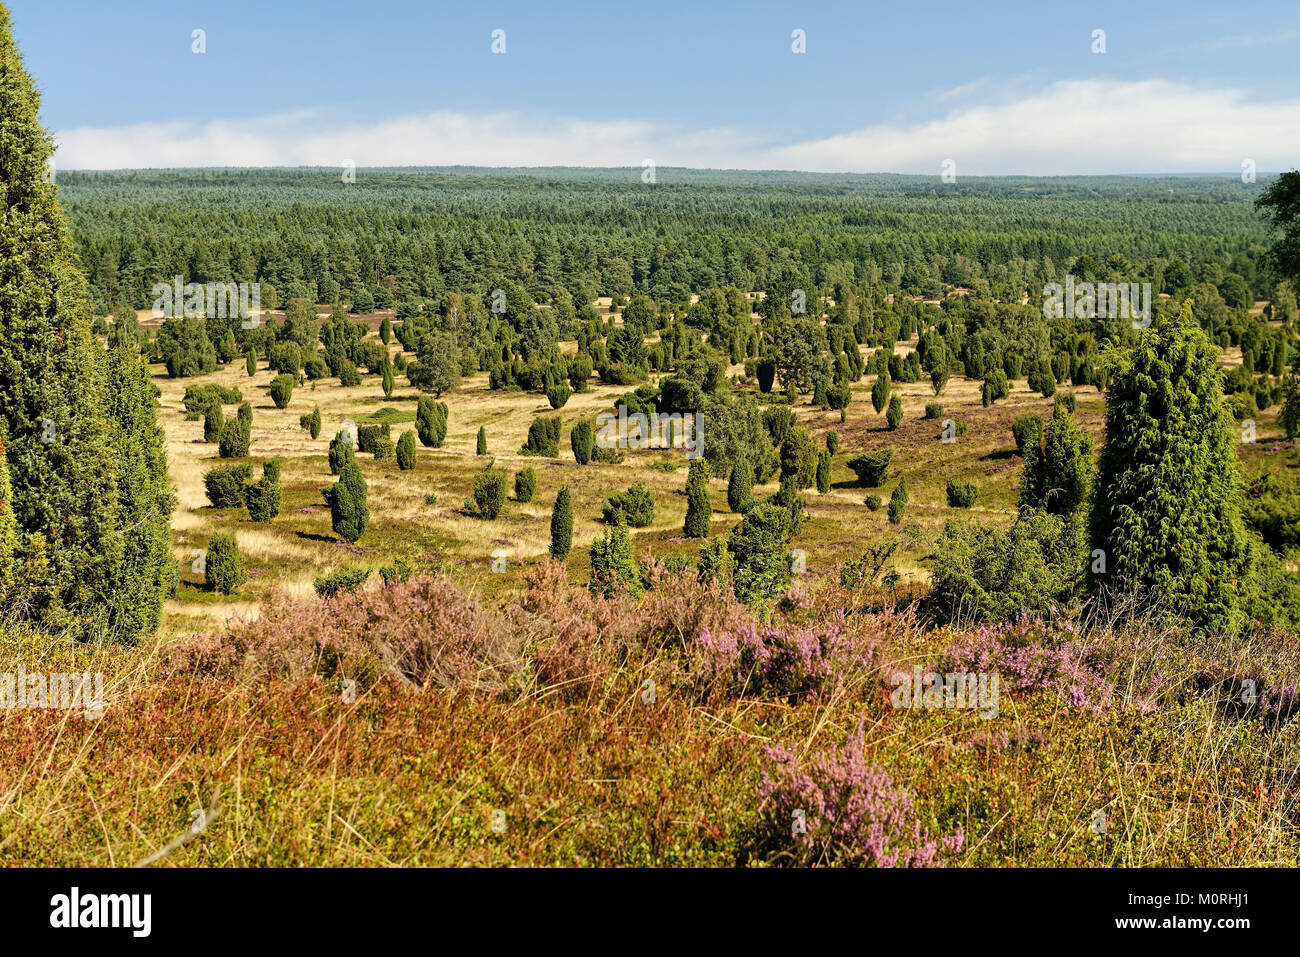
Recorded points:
(1167,508)
(1058,475)
(53,404)
(147,575)
(562,525)
(699,509)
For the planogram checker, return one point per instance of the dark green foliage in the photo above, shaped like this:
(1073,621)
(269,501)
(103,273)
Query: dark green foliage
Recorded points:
(1282,200)
(347,498)
(431,422)
(385,451)
(933,410)
(225,485)
(872,502)
(699,510)
(714,564)
(438,367)
(245,416)
(1042,378)
(282,390)
(1028,432)
(386,381)
(525,485)
(962,494)
(348,374)
(147,574)
(234,442)
(898,501)
(263,497)
(311,422)
(765,370)
(1289,417)
(824,472)
(1272,509)
(315,368)
(740,486)
(735,431)
(871,467)
(983,573)
(995,387)
(368,436)
(580,368)
(582,439)
(798,457)
(614,568)
(406,451)
(54,388)
(832,442)
(787,497)
(286,358)
(1058,477)
(635,508)
(490,492)
(480,445)
(213,420)
(340,582)
(760,559)
(562,525)
(199,398)
(223,565)
(558,394)
(895,414)
(1167,513)
(341,452)
(543,437)
(880,392)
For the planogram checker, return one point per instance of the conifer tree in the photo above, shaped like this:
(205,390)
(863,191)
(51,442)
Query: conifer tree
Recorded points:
(349,511)
(698,507)
(53,404)
(1058,476)
(562,525)
(406,451)
(824,472)
(740,486)
(147,574)
(1167,508)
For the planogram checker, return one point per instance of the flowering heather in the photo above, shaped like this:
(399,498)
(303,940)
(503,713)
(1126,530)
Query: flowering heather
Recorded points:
(836,809)
(1073,668)
(785,658)
(420,633)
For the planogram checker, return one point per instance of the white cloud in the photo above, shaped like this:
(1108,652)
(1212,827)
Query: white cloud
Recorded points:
(1077,126)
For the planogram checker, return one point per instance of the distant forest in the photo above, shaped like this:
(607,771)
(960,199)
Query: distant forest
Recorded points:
(416,234)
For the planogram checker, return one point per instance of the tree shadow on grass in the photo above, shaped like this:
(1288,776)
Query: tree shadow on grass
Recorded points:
(998,454)
(313,537)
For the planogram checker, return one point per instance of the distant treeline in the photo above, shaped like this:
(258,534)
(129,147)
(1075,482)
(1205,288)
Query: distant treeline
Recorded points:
(413,234)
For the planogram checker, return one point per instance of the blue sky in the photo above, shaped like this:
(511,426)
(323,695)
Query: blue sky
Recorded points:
(897,87)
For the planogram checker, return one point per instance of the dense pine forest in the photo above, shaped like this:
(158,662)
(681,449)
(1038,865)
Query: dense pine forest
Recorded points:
(421,233)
